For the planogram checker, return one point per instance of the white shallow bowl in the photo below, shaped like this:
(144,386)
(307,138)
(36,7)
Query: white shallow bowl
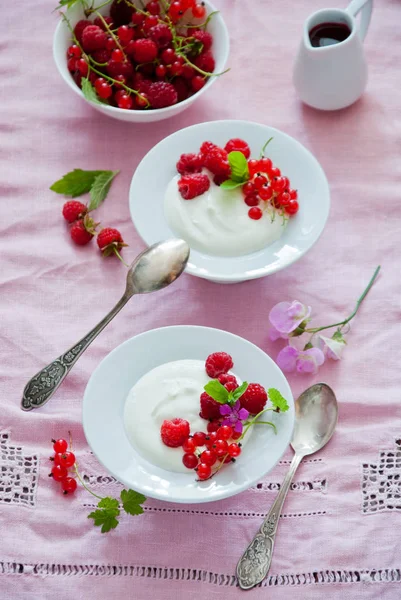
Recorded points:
(62,39)
(150,180)
(107,390)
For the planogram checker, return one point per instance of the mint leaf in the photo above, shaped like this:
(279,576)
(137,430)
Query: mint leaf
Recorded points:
(229,184)
(132,502)
(239,167)
(105,516)
(100,188)
(75,183)
(217,391)
(279,402)
(239,391)
(90,93)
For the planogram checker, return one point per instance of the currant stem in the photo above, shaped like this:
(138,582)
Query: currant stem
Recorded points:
(91,10)
(252,422)
(108,29)
(262,152)
(352,315)
(79,476)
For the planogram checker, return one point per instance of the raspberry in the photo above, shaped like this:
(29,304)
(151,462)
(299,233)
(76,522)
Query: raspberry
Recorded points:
(210,409)
(161,35)
(120,13)
(254,398)
(205,61)
(73,210)
(144,51)
(110,241)
(207,147)
(101,56)
(161,94)
(191,186)
(83,231)
(79,28)
(189,163)
(218,363)
(204,37)
(115,68)
(174,432)
(93,38)
(98,21)
(229,381)
(216,161)
(181,88)
(237,145)
(218,179)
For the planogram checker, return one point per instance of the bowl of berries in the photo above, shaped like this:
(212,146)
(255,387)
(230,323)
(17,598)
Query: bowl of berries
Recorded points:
(188,414)
(247,198)
(141,62)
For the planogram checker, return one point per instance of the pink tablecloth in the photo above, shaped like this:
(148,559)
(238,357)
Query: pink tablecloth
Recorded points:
(340,532)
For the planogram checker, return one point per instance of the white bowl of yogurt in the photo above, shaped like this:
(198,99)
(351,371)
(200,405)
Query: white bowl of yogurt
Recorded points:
(164,368)
(227,246)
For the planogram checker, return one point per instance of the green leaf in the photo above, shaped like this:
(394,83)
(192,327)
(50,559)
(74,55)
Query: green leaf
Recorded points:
(239,391)
(131,502)
(109,504)
(239,167)
(90,93)
(229,184)
(75,183)
(67,3)
(217,391)
(338,337)
(100,188)
(278,401)
(105,516)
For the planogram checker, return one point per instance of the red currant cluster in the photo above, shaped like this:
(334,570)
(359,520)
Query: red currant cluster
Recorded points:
(138,59)
(63,460)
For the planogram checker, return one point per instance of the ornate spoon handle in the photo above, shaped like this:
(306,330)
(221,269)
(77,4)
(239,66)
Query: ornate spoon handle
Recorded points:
(42,386)
(255,563)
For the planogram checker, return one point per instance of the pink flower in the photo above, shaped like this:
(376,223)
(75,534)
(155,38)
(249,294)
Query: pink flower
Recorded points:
(332,347)
(276,335)
(285,317)
(304,361)
(234,415)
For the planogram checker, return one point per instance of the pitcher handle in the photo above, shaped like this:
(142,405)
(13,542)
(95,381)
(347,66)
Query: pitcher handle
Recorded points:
(365,6)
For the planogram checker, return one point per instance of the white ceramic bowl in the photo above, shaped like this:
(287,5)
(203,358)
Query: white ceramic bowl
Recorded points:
(157,168)
(107,390)
(62,39)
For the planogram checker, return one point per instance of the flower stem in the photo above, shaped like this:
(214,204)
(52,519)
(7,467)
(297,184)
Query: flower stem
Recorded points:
(352,315)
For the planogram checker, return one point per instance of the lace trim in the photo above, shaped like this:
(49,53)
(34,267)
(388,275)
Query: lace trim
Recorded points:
(316,577)
(381,482)
(18,474)
(319,485)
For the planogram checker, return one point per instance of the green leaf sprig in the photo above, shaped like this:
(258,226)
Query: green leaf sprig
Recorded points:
(221,395)
(239,171)
(78,182)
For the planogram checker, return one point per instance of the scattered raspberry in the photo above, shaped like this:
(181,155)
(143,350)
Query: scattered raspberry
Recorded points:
(216,161)
(79,28)
(121,13)
(144,50)
(207,147)
(237,145)
(191,186)
(189,163)
(204,37)
(93,38)
(210,409)
(174,432)
(83,231)
(110,241)
(205,61)
(162,94)
(74,210)
(161,35)
(254,398)
(218,363)
(229,381)
(218,179)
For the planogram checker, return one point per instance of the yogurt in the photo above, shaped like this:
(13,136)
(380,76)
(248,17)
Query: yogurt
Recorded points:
(168,391)
(217,222)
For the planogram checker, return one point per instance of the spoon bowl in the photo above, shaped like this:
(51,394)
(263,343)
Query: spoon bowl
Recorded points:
(316,415)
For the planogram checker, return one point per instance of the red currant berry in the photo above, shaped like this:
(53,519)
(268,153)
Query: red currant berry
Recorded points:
(117,55)
(253,166)
(278,184)
(190,460)
(204,471)
(212,439)
(236,435)
(110,44)
(283,199)
(265,192)
(234,450)
(199,438)
(175,12)
(74,51)
(259,181)
(188,72)
(153,8)
(293,194)
(168,56)
(72,64)
(176,69)
(199,11)
(161,71)
(189,446)
(58,473)
(59,445)
(141,101)
(137,18)
(255,213)
(292,207)
(213,426)
(251,200)
(225,459)
(120,79)
(125,101)
(197,83)
(65,459)
(265,164)
(104,90)
(125,34)
(208,457)
(68,485)
(82,67)
(274,172)
(220,448)
(287,183)
(248,188)
(225,432)
(150,22)
(99,81)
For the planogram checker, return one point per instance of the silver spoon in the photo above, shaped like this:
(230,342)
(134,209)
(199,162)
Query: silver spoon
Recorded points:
(154,269)
(316,413)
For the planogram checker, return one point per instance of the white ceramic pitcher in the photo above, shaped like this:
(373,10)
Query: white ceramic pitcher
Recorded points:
(334,76)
